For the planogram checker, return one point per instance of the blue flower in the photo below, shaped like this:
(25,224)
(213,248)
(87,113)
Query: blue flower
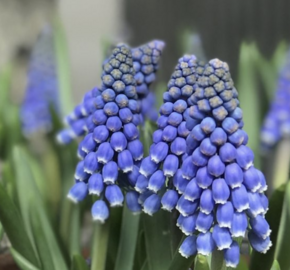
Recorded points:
(169,141)
(277,121)
(225,187)
(42,87)
(117,95)
(111,148)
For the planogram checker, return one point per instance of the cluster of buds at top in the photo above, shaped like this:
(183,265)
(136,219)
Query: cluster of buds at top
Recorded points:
(277,122)
(42,87)
(145,64)
(112,143)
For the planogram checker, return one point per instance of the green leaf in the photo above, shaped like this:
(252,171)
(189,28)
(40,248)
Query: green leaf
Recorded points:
(79,263)
(179,262)
(269,69)
(41,242)
(273,216)
(99,246)
(51,170)
(62,67)
(217,260)
(5,82)
(1,231)
(25,188)
(158,240)
(21,261)
(275,265)
(280,164)
(250,99)
(128,240)
(283,239)
(74,240)
(279,55)
(14,228)
(242,264)
(34,212)
(201,263)
(145,266)
(114,236)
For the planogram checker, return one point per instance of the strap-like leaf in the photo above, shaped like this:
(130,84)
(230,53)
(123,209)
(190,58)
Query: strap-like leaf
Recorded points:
(158,240)
(34,213)
(78,263)
(275,265)
(14,227)
(21,261)
(99,246)
(283,239)
(128,240)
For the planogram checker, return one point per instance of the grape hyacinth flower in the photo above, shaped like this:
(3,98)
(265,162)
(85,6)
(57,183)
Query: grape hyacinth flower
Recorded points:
(42,87)
(168,150)
(111,150)
(224,197)
(145,64)
(277,121)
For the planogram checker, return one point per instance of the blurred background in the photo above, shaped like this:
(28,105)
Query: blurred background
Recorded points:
(91,24)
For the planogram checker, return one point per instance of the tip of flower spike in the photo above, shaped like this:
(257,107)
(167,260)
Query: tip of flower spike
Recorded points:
(216,63)
(158,44)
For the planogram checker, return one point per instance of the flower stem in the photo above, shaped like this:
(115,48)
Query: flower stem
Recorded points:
(99,247)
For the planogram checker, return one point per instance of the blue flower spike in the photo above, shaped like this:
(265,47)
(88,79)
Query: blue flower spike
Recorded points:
(42,89)
(118,96)
(230,201)
(162,167)
(111,149)
(276,124)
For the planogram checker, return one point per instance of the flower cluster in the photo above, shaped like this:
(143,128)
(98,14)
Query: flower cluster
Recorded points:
(277,121)
(112,143)
(224,196)
(168,150)
(42,87)
(145,65)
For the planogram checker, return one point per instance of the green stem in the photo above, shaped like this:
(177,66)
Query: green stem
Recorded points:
(99,248)
(128,240)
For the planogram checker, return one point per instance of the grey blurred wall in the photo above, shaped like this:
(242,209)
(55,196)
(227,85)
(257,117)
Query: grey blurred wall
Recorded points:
(222,24)
(89,24)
